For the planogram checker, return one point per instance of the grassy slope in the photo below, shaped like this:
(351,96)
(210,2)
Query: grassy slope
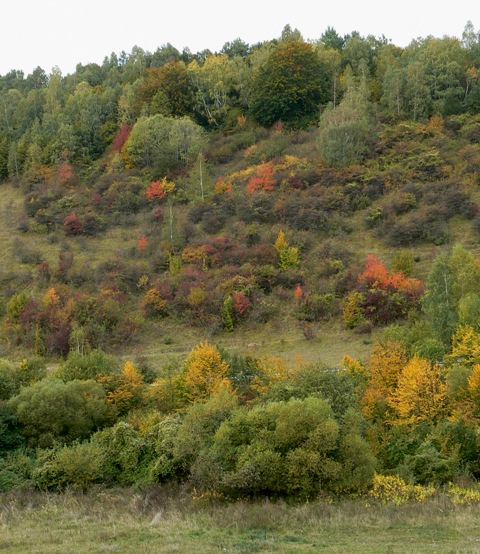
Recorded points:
(282,336)
(171,339)
(152,522)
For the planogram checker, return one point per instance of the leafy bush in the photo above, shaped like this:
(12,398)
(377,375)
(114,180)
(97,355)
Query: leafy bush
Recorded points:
(393,489)
(125,456)
(78,466)
(50,411)
(89,365)
(293,448)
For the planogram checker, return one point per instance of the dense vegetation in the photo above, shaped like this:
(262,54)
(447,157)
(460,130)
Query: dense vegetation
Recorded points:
(285,184)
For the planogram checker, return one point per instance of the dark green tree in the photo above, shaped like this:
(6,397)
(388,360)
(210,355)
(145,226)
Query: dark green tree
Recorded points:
(332,39)
(290,86)
(51,411)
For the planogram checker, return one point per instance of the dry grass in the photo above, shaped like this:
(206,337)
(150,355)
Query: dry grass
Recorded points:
(160,520)
(284,339)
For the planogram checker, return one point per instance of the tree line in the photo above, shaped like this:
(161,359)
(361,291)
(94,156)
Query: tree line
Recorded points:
(284,81)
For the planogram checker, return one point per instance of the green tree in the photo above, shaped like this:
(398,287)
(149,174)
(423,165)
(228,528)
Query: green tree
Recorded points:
(295,448)
(50,411)
(163,142)
(346,132)
(287,255)
(417,92)
(290,86)
(148,143)
(88,365)
(215,83)
(452,276)
(168,90)
(332,39)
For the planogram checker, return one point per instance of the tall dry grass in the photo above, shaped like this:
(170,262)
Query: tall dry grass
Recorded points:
(172,519)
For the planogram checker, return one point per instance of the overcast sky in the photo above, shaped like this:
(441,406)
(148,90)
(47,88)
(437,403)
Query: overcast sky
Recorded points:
(49,33)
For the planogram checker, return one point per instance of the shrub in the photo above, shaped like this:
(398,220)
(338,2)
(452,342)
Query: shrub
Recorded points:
(352,309)
(16,470)
(50,411)
(72,225)
(10,438)
(124,454)
(153,303)
(314,307)
(88,365)
(463,495)
(78,466)
(393,489)
(288,448)
(9,380)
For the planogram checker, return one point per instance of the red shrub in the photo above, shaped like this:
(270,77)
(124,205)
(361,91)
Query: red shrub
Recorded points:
(72,225)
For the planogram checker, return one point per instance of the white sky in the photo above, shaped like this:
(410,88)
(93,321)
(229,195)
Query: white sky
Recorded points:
(62,33)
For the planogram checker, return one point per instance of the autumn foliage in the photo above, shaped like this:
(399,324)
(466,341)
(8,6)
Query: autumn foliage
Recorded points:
(263,179)
(375,276)
(125,390)
(420,394)
(205,372)
(66,175)
(142,243)
(121,137)
(380,297)
(158,190)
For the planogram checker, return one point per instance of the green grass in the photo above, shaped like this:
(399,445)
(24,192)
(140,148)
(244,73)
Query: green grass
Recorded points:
(153,521)
(283,339)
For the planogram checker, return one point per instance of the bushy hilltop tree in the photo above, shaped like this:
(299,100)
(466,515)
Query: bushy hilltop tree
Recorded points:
(346,131)
(290,86)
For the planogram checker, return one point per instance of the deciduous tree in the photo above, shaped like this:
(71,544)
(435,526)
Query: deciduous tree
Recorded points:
(290,86)
(205,371)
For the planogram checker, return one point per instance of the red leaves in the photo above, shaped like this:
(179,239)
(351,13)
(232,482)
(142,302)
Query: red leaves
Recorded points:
(241,304)
(121,137)
(65,174)
(262,180)
(375,276)
(72,225)
(142,243)
(157,190)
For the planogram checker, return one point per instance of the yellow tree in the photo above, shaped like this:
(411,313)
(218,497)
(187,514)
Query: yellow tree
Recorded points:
(420,394)
(205,371)
(466,404)
(127,389)
(274,370)
(465,346)
(383,370)
(474,392)
(287,255)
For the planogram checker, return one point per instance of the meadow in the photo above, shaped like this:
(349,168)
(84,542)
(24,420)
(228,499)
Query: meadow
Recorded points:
(172,520)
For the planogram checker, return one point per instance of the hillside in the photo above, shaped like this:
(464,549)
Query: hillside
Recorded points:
(172,262)
(252,273)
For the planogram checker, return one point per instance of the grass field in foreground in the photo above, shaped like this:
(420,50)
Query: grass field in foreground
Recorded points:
(154,521)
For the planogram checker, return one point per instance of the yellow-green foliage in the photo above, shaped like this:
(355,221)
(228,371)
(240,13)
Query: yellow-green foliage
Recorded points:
(205,372)
(465,346)
(352,310)
(420,393)
(462,495)
(393,489)
(288,256)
